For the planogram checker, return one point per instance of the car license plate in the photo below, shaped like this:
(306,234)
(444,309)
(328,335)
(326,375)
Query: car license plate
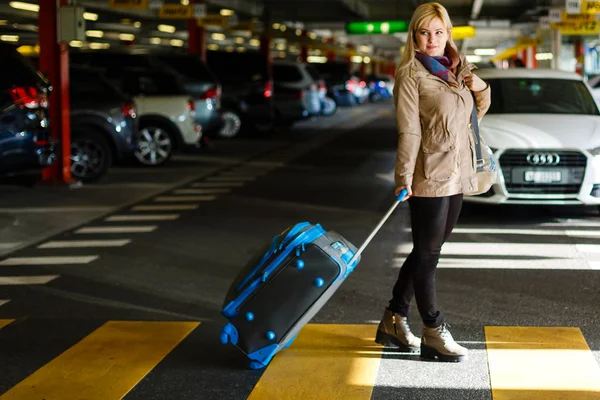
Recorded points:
(543,176)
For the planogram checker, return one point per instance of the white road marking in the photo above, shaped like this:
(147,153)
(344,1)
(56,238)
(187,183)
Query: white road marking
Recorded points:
(9,245)
(43,210)
(26,280)
(3,302)
(230,178)
(216,184)
(117,229)
(201,191)
(67,244)
(180,207)
(594,265)
(545,264)
(133,218)
(47,260)
(553,250)
(588,248)
(184,198)
(540,232)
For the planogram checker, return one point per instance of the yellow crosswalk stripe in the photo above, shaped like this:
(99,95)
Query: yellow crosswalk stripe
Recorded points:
(539,363)
(4,322)
(106,364)
(345,356)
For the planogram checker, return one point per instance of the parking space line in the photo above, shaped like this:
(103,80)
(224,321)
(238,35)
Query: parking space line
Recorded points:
(217,184)
(26,280)
(4,322)
(541,363)
(106,364)
(184,198)
(48,260)
(133,218)
(174,207)
(117,229)
(202,191)
(3,302)
(345,356)
(230,178)
(539,232)
(9,245)
(588,248)
(67,244)
(471,249)
(594,265)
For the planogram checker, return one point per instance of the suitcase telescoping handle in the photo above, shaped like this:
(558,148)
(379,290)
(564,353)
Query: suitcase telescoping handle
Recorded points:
(400,197)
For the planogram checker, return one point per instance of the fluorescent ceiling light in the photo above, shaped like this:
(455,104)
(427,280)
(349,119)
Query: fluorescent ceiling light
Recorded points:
(166,28)
(298,32)
(97,34)
(366,60)
(282,28)
(543,56)
(90,16)
(185,2)
(485,52)
(474,59)
(276,25)
(128,37)
(226,13)
(356,59)
(317,59)
(76,43)
(9,38)
(213,46)
(217,36)
(99,46)
(254,42)
(155,40)
(241,49)
(239,40)
(24,6)
(176,42)
(280,46)
(137,24)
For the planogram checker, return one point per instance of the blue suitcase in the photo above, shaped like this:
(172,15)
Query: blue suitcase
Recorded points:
(285,285)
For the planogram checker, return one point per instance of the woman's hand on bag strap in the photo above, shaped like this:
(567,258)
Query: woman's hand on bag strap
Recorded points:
(475,83)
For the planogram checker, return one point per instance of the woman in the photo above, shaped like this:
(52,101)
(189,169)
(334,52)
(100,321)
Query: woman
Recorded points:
(434,95)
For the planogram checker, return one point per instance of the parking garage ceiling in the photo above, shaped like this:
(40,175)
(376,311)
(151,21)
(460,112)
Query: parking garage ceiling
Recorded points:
(496,20)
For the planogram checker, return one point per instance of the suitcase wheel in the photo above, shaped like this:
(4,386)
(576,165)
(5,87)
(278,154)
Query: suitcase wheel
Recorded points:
(229,334)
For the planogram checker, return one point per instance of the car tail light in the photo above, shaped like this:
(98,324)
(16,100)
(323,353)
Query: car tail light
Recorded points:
(268,89)
(213,92)
(299,95)
(26,97)
(129,110)
(191,105)
(363,84)
(350,86)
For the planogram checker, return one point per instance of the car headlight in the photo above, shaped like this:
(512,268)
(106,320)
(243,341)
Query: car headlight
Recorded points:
(595,151)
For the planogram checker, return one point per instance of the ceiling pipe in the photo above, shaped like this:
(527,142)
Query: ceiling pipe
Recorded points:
(475,11)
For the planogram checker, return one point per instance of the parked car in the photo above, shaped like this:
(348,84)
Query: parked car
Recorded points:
(103,124)
(296,94)
(345,87)
(328,105)
(380,87)
(247,97)
(25,141)
(190,72)
(544,127)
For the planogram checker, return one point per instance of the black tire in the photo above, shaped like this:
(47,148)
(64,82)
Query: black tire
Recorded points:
(155,144)
(232,124)
(91,155)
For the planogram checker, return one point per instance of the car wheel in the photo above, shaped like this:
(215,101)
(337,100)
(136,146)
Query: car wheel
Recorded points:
(232,124)
(329,107)
(90,156)
(155,145)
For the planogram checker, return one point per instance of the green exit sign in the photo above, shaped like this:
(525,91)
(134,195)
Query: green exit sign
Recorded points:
(376,28)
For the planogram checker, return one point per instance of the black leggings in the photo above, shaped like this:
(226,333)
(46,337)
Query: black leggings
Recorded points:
(432,221)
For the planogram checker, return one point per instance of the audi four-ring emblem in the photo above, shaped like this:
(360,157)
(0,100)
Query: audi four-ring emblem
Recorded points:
(543,158)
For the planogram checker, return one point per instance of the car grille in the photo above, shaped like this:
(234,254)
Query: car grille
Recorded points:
(514,164)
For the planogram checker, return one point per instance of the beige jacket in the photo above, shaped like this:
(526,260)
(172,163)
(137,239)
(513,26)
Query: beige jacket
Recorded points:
(436,154)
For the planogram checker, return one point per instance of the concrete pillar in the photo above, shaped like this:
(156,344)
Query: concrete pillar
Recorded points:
(556,48)
(196,35)
(54,64)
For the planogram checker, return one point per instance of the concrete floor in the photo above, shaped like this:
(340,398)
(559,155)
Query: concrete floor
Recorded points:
(503,266)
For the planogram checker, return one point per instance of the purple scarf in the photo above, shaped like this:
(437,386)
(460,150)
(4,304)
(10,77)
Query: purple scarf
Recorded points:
(438,66)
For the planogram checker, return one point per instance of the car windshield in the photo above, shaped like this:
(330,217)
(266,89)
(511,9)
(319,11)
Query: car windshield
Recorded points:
(540,96)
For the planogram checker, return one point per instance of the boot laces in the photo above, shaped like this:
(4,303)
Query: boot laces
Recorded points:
(445,333)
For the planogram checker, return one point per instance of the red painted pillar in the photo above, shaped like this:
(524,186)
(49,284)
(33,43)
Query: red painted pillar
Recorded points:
(265,38)
(196,35)
(331,54)
(304,46)
(54,63)
(533,54)
(578,43)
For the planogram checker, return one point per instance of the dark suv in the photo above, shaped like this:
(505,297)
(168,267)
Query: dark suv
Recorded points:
(25,141)
(103,124)
(247,99)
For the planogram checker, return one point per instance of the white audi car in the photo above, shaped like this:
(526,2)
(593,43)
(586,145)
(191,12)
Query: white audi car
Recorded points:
(544,128)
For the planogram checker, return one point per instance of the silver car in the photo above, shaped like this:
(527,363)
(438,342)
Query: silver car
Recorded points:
(296,94)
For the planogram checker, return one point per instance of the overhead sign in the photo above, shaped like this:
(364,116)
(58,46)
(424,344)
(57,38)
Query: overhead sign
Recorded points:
(566,17)
(463,32)
(199,10)
(155,4)
(544,23)
(376,28)
(175,11)
(577,28)
(212,20)
(555,15)
(131,4)
(582,7)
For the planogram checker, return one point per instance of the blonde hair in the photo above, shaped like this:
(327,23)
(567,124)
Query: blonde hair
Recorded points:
(423,14)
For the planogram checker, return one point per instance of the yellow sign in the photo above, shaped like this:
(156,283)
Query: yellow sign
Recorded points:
(528,42)
(463,32)
(577,17)
(136,4)
(175,11)
(213,20)
(590,7)
(577,28)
